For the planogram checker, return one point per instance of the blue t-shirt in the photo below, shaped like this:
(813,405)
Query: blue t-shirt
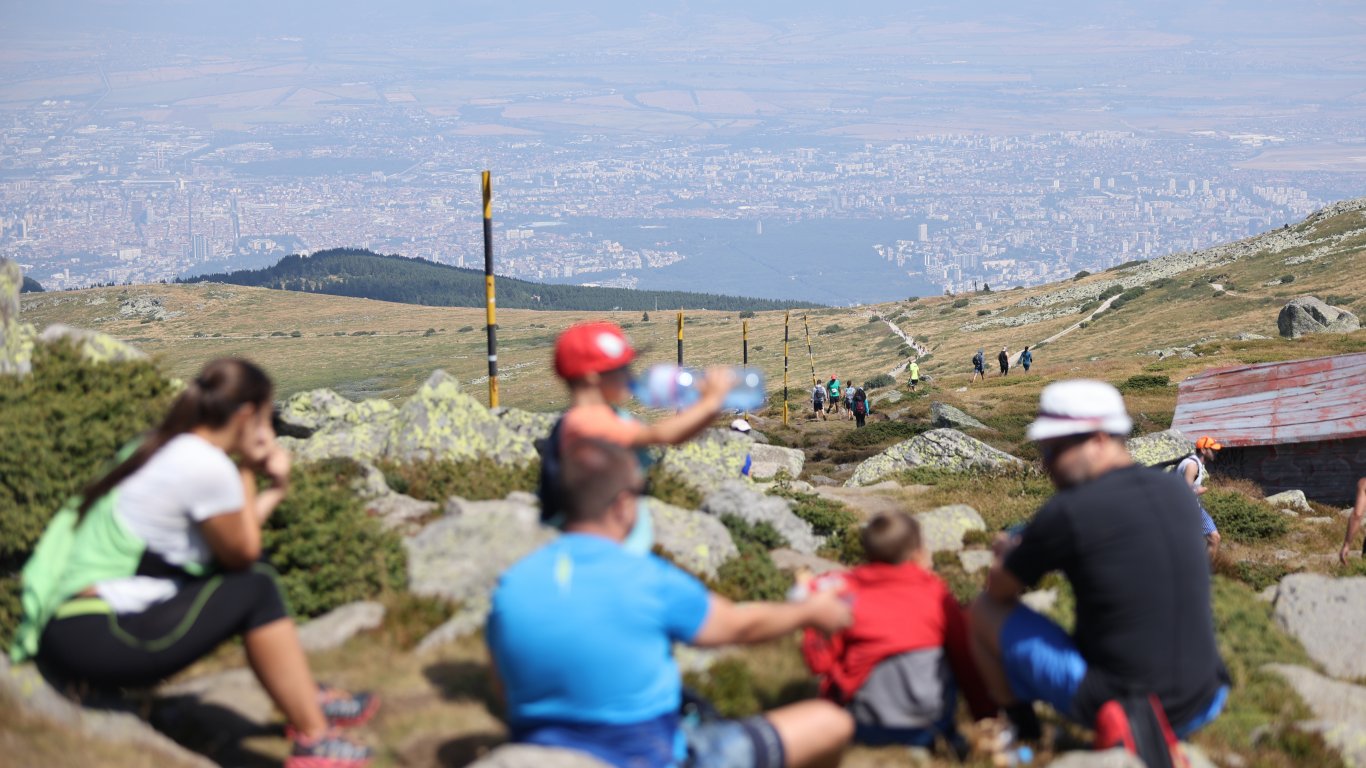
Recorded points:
(581,632)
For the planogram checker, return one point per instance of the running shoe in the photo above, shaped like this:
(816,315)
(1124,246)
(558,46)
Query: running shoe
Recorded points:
(347,710)
(331,750)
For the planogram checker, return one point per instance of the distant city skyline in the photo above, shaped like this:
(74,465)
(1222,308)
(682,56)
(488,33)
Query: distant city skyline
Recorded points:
(866,156)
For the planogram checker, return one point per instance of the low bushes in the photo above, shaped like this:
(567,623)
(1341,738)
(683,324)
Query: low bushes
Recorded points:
(476,480)
(877,433)
(752,575)
(1243,519)
(1145,382)
(880,380)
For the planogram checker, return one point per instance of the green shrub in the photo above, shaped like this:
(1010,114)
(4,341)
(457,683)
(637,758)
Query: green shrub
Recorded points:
(975,537)
(877,433)
(328,550)
(464,329)
(826,516)
(278,333)
(475,480)
(879,381)
(983,312)
(1287,279)
(960,303)
(845,547)
(762,534)
(728,685)
(1113,290)
(10,609)
(429,332)
(832,328)
(60,427)
(1145,382)
(669,489)
(1087,307)
(1081,274)
(1242,519)
(1259,576)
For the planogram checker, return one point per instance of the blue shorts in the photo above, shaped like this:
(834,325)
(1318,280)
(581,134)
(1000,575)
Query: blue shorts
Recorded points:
(1206,522)
(748,743)
(1043,664)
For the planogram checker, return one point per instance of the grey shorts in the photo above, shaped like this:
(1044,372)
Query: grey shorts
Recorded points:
(748,743)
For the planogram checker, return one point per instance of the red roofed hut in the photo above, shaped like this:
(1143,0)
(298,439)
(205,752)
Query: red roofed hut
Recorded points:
(1293,425)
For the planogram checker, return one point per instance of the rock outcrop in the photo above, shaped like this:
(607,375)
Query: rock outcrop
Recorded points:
(16,338)
(1159,447)
(770,459)
(945,415)
(1307,314)
(334,628)
(942,529)
(739,498)
(706,462)
(1290,500)
(696,541)
(792,560)
(1339,710)
(946,449)
(1328,617)
(460,556)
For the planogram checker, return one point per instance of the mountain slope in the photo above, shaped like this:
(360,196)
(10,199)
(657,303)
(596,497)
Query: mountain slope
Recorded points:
(367,275)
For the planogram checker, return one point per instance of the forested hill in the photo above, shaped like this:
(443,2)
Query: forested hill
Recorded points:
(368,275)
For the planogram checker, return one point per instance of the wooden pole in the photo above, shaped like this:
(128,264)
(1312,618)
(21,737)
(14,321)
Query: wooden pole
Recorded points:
(680,337)
(787,317)
(744,344)
(809,355)
(490,300)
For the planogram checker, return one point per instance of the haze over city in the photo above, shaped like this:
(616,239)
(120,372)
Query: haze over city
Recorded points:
(785,150)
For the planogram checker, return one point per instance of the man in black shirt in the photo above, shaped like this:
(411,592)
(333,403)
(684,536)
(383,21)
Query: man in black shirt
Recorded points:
(1127,538)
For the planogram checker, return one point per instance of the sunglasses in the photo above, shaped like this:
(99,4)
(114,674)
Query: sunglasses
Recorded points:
(1049,449)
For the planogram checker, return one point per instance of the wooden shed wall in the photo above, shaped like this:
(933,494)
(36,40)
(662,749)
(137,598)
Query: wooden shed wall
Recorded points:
(1327,471)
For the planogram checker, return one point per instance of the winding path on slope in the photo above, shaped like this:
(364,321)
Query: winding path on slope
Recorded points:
(919,348)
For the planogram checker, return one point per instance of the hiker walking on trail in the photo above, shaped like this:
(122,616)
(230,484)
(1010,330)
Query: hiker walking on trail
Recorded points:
(1125,536)
(1003,358)
(581,634)
(1354,522)
(914,369)
(860,406)
(832,388)
(594,361)
(1026,359)
(979,365)
(158,562)
(1192,469)
(849,397)
(818,401)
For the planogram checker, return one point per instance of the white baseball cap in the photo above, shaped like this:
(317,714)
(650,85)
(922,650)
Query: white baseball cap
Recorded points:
(740,425)
(1079,407)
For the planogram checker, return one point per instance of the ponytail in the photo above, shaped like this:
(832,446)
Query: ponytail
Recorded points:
(210,400)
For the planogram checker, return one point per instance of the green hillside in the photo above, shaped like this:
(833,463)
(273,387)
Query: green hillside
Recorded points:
(366,275)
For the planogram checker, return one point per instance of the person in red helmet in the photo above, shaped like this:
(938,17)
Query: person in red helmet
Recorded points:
(594,361)
(1192,468)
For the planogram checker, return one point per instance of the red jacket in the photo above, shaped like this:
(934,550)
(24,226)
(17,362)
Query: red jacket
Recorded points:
(897,608)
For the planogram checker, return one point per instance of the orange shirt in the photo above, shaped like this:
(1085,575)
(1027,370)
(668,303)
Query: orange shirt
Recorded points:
(599,422)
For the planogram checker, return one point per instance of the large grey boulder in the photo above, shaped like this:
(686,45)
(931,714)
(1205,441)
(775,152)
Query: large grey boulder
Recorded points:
(740,498)
(532,425)
(528,756)
(334,628)
(945,415)
(460,556)
(714,457)
(322,408)
(1339,710)
(94,346)
(16,338)
(27,692)
(441,422)
(1290,500)
(695,540)
(1328,617)
(1307,314)
(942,529)
(1159,447)
(770,459)
(946,449)
(404,514)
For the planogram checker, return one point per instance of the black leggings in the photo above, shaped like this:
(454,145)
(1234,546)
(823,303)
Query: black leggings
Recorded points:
(141,649)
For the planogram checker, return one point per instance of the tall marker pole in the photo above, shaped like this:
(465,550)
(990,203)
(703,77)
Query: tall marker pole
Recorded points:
(787,317)
(489,299)
(744,343)
(680,337)
(809,356)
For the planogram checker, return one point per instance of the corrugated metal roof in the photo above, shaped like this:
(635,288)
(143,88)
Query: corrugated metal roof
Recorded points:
(1298,401)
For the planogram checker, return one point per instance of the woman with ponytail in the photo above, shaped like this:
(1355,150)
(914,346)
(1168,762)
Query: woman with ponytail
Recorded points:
(160,563)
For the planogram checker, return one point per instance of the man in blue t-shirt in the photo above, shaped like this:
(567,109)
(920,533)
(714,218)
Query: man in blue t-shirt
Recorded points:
(581,636)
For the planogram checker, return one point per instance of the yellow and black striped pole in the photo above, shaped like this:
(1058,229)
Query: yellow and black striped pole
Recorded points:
(815,382)
(489,298)
(787,317)
(680,337)
(744,342)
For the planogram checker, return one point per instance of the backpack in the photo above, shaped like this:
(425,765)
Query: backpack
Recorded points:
(978,361)
(1139,725)
(860,403)
(818,394)
(549,488)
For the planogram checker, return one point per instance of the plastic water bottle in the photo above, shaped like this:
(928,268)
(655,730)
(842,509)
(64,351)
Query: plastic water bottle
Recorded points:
(671,387)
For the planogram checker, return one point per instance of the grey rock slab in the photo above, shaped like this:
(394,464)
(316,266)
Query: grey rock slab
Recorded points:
(441,422)
(869,500)
(695,540)
(334,628)
(26,690)
(974,560)
(1112,758)
(740,498)
(708,460)
(1160,447)
(1041,600)
(946,449)
(399,512)
(94,346)
(942,529)
(789,459)
(1290,499)
(460,556)
(1307,314)
(528,756)
(468,619)
(945,415)
(235,690)
(792,560)
(1328,617)
(1339,709)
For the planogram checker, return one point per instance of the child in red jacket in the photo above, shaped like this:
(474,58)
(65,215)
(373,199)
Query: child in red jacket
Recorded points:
(899,666)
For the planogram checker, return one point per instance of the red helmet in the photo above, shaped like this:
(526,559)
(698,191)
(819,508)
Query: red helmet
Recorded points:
(591,348)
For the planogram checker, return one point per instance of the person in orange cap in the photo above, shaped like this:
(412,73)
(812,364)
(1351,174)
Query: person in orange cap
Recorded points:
(594,361)
(1192,468)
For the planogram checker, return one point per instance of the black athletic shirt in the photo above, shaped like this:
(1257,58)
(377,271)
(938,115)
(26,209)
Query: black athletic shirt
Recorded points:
(1129,542)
